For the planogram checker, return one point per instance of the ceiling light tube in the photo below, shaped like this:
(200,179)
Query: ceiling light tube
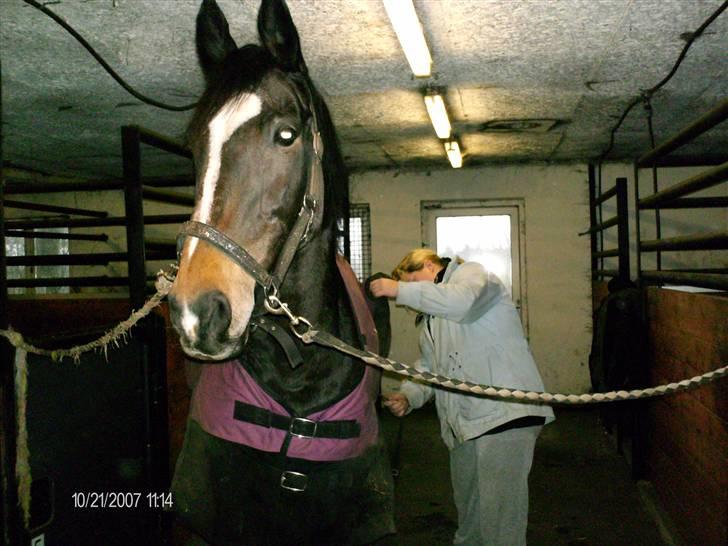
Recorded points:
(409,31)
(438,114)
(453,154)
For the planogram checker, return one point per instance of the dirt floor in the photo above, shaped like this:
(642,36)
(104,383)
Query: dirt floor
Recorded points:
(581,489)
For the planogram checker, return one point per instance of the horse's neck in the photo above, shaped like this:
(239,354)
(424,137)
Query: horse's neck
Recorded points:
(312,285)
(313,290)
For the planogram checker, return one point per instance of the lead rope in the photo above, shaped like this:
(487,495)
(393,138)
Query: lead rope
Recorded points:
(308,335)
(311,335)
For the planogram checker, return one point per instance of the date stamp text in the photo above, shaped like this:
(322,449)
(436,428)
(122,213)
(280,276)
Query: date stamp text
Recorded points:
(110,500)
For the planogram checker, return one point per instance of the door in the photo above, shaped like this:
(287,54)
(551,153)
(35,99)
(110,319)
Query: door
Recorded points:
(491,232)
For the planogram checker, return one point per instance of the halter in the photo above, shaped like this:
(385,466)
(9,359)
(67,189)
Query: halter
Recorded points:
(309,214)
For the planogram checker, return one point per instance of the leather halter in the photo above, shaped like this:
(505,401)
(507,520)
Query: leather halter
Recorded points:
(308,217)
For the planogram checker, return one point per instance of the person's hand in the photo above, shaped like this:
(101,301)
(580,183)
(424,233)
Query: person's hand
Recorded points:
(397,403)
(384,287)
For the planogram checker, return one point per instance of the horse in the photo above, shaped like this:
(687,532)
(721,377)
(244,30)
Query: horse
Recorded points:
(282,443)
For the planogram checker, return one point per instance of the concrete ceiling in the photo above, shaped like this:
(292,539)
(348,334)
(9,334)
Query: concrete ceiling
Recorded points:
(578,62)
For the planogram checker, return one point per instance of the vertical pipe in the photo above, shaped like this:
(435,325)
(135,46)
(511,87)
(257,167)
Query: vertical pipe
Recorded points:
(638,235)
(658,227)
(599,216)
(623,229)
(345,231)
(593,220)
(9,505)
(131,149)
(133,204)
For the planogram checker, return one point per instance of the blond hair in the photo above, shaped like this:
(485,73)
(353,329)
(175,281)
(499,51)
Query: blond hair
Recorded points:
(415,260)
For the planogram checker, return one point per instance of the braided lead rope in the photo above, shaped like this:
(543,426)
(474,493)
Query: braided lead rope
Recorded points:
(115,336)
(326,339)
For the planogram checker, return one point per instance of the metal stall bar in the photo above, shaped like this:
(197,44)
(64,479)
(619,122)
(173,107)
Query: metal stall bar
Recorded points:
(706,122)
(54,208)
(716,240)
(168,181)
(52,235)
(94,222)
(611,192)
(172,198)
(21,187)
(593,220)
(619,190)
(153,359)
(100,280)
(622,229)
(134,214)
(131,151)
(160,141)
(715,281)
(97,258)
(88,281)
(692,203)
(613,221)
(698,182)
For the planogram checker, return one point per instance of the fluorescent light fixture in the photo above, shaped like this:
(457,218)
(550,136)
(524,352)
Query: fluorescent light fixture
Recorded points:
(409,31)
(438,114)
(453,154)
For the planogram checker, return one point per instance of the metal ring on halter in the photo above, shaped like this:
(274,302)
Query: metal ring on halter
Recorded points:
(271,302)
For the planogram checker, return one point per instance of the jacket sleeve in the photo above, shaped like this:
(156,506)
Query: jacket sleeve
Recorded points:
(418,394)
(469,293)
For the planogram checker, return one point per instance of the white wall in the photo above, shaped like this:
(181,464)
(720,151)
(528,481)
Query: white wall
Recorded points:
(557,259)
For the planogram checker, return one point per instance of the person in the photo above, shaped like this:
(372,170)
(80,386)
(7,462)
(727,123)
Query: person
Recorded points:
(472,331)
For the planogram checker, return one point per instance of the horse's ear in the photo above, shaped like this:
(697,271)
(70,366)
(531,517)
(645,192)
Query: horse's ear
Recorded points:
(279,36)
(214,42)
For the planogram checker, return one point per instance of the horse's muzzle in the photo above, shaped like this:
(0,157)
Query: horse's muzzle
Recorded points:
(203,326)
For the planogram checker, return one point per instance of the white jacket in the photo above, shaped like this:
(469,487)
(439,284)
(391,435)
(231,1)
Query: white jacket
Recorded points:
(472,332)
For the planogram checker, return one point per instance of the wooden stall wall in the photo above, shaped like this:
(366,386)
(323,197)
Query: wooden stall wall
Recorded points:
(687,454)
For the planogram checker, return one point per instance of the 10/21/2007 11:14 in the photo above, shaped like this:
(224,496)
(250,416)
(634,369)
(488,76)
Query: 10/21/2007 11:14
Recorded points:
(128,499)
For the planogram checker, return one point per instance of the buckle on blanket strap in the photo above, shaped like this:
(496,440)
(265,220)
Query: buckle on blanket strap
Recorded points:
(303,428)
(300,427)
(294,481)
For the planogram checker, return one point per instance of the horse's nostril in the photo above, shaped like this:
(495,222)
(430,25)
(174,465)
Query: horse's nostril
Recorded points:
(214,316)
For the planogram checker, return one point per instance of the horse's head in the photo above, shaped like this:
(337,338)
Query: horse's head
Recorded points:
(252,137)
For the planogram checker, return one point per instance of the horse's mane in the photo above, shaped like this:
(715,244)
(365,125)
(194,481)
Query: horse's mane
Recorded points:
(336,174)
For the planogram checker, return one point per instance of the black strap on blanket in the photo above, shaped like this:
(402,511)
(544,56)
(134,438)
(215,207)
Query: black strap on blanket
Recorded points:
(296,426)
(282,337)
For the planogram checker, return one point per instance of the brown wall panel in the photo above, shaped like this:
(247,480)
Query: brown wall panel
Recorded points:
(700,520)
(672,365)
(702,444)
(687,456)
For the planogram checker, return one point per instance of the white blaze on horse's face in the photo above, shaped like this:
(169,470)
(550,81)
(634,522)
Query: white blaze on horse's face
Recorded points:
(232,283)
(228,120)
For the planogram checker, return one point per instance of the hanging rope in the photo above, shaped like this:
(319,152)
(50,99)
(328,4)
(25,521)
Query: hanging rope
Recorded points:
(22,453)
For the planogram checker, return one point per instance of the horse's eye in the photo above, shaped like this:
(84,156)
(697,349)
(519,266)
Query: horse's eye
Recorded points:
(286,136)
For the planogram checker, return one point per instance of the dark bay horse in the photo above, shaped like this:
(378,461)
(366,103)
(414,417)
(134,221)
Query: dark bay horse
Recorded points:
(282,444)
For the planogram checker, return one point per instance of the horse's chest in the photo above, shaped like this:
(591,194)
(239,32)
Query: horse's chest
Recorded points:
(224,389)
